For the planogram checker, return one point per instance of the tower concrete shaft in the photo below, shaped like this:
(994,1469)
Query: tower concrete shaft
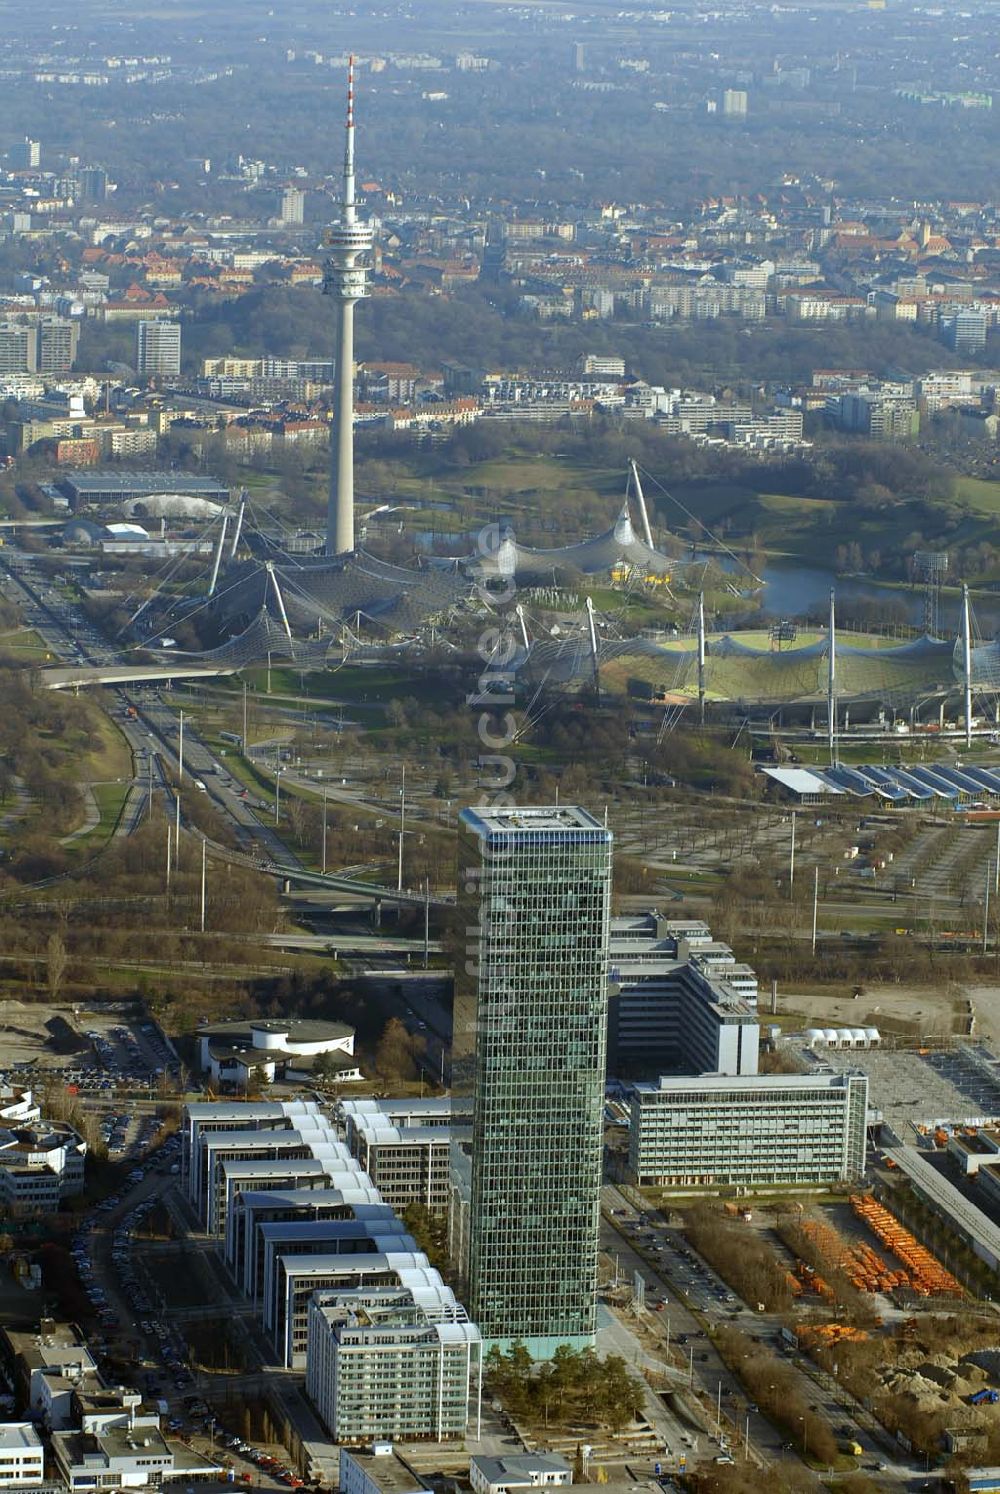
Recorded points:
(345,279)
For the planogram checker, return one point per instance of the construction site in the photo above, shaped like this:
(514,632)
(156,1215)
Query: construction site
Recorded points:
(906,1268)
(872,1305)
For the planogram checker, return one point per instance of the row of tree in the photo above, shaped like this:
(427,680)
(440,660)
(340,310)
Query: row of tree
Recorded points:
(774,1386)
(740,1257)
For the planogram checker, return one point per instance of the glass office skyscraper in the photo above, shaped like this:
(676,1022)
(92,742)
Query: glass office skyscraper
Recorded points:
(529,1048)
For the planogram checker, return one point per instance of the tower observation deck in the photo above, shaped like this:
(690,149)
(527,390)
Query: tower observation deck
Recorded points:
(347,281)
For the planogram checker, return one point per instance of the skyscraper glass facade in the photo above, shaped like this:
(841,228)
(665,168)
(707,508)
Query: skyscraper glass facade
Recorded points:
(529,1048)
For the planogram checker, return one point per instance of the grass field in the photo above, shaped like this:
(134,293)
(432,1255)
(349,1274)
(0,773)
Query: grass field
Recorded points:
(980,494)
(793,525)
(112,757)
(110,801)
(25,646)
(356,685)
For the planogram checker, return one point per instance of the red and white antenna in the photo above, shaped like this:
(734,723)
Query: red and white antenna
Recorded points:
(349,146)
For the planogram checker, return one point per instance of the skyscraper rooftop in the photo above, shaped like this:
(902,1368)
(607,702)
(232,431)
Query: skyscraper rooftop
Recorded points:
(519,819)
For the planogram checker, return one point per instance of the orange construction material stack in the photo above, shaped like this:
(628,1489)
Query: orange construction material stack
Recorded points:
(927,1277)
(830,1333)
(863,1267)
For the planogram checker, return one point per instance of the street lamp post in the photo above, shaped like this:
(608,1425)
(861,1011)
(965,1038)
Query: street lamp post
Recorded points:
(277,794)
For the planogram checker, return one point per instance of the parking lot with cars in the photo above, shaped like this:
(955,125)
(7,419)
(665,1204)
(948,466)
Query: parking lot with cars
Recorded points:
(94,1053)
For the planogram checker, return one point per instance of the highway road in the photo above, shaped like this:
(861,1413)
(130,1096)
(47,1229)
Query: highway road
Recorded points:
(344,945)
(685,1319)
(74,639)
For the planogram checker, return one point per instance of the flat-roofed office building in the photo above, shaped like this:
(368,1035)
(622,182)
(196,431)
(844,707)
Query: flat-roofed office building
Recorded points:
(383,1260)
(227,1149)
(376,1470)
(280,1242)
(761,1130)
(21,1455)
(678,999)
(253,1208)
(405,1147)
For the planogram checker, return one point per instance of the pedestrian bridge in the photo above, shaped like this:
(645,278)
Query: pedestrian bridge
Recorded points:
(79,676)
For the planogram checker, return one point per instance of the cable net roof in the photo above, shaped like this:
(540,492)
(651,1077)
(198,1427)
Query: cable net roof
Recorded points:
(264,636)
(318,589)
(616,546)
(985,664)
(741,670)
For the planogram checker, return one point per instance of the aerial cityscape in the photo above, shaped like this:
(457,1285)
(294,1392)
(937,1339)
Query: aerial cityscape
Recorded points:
(500,747)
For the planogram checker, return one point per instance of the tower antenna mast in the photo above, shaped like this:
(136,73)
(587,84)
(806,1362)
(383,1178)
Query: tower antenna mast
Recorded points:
(347,282)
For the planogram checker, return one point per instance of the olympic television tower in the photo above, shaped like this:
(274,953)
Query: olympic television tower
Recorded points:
(345,279)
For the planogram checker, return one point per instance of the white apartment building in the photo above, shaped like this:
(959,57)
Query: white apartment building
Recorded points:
(158,347)
(22,1459)
(41,1163)
(393,1362)
(941,388)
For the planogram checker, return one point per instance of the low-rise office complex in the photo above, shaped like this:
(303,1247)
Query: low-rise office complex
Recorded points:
(229,1148)
(341,1287)
(404,1146)
(41,1163)
(750,1131)
(253,1209)
(521,1471)
(98,1435)
(376,1470)
(385,1260)
(679,999)
(48,1368)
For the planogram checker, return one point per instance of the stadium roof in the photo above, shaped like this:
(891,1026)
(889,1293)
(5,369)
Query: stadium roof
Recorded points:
(114,485)
(801,781)
(749,669)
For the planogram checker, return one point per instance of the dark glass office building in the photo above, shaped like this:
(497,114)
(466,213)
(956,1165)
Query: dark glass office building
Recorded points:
(529,1048)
